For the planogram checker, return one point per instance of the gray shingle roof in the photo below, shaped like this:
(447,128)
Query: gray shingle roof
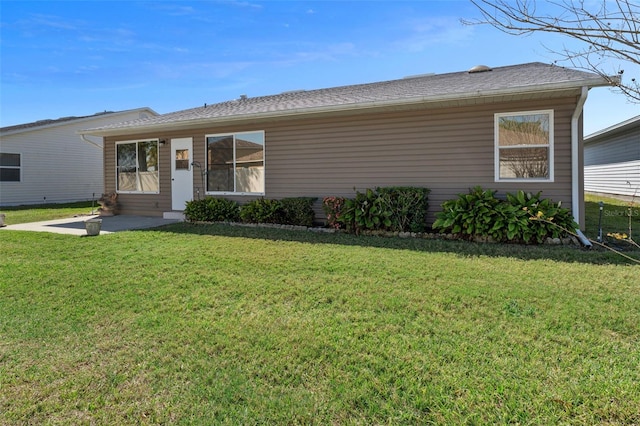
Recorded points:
(525,78)
(36,125)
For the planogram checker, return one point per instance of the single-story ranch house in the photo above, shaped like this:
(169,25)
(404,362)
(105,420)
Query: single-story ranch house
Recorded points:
(612,159)
(507,128)
(47,161)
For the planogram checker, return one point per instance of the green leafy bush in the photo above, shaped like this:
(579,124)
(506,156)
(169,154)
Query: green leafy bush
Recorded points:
(401,209)
(544,218)
(261,210)
(408,206)
(297,211)
(522,217)
(471,214)
(365,212)
(212,210)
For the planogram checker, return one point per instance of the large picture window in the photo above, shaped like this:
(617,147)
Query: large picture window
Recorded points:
(9,167)
(524,146)
(235,163)
(137,166)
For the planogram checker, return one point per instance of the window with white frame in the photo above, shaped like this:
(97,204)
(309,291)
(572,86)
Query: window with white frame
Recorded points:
(10,167)
(137,167)
(524,146)
(235,163)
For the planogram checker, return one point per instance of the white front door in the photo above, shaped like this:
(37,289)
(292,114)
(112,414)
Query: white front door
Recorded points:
(181,172)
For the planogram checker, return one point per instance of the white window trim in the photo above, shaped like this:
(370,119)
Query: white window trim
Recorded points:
(496,155)
(234,134)
(20,167)
(157,141)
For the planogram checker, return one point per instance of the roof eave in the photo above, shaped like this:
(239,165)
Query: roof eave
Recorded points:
(298,112)
(75,121)
(613,130)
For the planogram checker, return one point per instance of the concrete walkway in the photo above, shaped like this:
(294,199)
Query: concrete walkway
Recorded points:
(76,226)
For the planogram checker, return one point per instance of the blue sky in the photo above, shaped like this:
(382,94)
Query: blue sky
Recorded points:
(77,58)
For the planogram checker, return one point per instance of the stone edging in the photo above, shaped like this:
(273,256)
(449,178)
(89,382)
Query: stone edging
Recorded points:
(567,241)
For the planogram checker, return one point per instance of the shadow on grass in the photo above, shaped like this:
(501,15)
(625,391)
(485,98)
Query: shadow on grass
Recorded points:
(571,254)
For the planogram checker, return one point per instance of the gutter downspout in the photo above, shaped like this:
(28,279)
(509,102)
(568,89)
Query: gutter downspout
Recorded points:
(575,165)
(90,142)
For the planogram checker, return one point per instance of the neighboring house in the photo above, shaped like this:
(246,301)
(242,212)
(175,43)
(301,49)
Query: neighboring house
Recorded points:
(612,159)
(48,161)
(507,128)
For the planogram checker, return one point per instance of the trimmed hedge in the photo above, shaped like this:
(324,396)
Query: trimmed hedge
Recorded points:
(212,210)
(296,211)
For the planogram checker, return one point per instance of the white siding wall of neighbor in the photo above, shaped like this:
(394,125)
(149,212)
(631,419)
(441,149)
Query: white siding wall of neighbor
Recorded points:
(617,149)
(616,178)
(57,166)
(612,160)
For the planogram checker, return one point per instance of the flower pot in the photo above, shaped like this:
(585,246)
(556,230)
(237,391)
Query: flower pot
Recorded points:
(93,226)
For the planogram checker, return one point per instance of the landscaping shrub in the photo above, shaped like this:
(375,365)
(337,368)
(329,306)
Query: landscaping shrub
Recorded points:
(544,218)
(365,212)
(400,209)
(297,211)
(261,210)
(212,210)
(522,217)
(408,206)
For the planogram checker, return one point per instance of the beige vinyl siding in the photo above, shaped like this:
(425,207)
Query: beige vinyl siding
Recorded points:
(447,150)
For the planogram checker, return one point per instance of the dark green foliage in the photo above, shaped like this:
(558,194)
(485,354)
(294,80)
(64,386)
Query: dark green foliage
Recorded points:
(365,212)
(212,210)
(408,207)
(297,211)
(544,218)
(522,217)
(400,209)
(471,214)
(261,210)
(288,211)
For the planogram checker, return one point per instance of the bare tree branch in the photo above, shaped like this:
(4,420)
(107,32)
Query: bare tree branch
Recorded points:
(608,30)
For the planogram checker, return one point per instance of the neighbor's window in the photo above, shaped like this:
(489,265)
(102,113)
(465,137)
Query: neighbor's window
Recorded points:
(524,146)
(235,163)
(137,166)
(9,167)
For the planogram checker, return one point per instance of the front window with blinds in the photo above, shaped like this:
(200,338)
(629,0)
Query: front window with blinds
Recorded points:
(524,146)
(137,167)
(10,165)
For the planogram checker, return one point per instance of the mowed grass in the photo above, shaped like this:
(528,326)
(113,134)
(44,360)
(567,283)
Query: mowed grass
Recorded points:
(617,216)
(214,324)
(37,213)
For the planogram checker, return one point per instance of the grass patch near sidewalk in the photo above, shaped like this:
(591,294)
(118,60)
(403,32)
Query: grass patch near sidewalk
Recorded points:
(38,213)
(222,325)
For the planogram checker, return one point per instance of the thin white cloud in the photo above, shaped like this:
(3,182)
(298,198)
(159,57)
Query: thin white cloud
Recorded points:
(50,21)
(428,32)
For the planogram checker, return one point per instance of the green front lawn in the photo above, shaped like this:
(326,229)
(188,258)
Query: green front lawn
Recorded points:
(226,325)
(38,213)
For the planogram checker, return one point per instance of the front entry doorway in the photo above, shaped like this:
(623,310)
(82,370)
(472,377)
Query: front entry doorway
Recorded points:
(181,172)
